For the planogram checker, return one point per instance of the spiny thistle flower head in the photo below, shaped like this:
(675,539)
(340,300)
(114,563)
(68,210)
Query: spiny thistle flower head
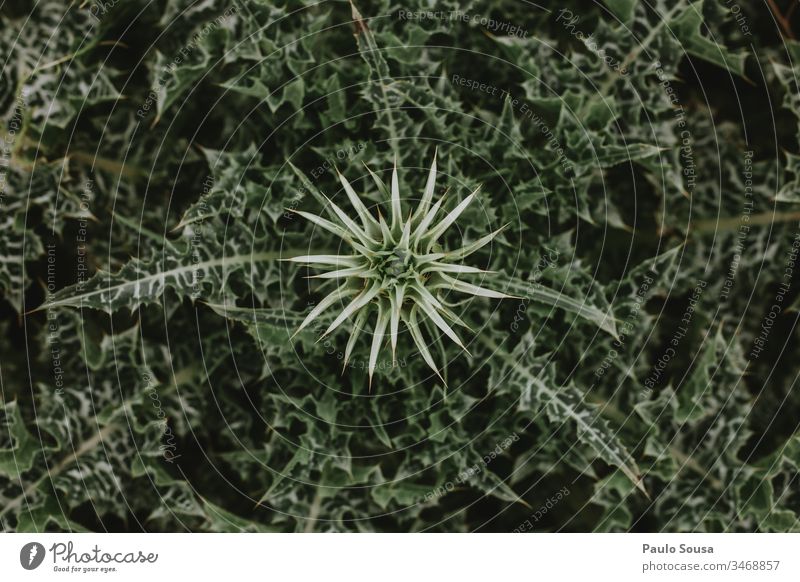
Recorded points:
(395,268)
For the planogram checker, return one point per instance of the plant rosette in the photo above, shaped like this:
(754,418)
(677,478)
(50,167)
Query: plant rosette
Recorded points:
(396,268)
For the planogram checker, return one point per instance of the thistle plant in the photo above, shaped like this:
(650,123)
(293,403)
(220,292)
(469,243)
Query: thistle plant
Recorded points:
(396,268)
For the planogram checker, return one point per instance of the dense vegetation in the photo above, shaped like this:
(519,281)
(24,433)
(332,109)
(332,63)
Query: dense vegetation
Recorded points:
(643,154)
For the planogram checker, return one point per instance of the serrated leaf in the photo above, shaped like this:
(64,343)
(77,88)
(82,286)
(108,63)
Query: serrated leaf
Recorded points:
(559,299)
(688,29)
(144,282)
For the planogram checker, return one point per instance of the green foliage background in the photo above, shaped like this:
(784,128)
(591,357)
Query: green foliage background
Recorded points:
(148,381)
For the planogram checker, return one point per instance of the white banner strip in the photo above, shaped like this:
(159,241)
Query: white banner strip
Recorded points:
(401,557)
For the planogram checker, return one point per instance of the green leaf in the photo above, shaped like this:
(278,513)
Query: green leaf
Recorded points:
(535,291)
(622,9)
(687,28)
(144,282)
(562,404)
(380,77)
(18,456)
(610,156)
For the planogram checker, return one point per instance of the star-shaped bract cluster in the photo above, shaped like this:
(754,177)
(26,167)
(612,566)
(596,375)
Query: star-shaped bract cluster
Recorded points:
(395,266)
